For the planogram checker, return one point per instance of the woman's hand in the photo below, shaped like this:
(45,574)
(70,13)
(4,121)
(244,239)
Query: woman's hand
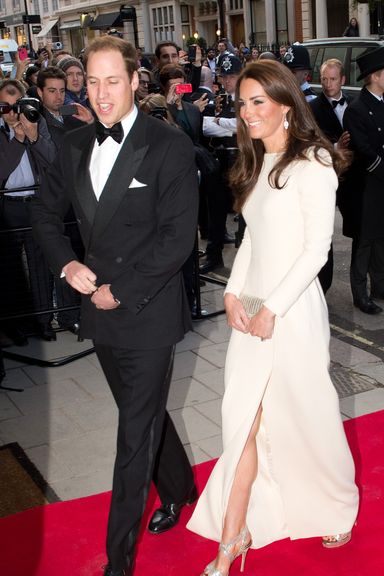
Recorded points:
(173,98)
(236,316)
(262,324)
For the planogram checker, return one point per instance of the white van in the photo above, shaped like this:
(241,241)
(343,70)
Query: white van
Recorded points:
(9,49)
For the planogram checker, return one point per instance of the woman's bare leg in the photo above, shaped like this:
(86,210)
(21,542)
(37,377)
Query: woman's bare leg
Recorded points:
(246,472)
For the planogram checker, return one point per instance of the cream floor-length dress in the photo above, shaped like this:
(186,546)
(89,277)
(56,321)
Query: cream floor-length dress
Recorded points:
(305,484)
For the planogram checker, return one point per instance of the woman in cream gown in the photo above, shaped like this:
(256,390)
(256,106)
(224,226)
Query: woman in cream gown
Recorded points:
(286,469)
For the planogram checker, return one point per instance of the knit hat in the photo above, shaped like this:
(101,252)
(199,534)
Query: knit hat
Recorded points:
(66,63)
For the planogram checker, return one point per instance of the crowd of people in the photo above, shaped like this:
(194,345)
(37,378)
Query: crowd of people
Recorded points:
(139,155)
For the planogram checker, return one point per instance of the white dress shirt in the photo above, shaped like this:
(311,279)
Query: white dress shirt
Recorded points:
(104,155)
(340,108)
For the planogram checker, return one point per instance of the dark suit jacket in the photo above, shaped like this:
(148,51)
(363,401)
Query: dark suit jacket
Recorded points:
(40,154)
(364,119)
(58,129)
(136,237)
(326,117)
(329,123)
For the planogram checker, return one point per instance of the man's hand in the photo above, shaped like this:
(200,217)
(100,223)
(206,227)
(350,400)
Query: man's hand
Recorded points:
(202,102)
(236,315)
(80,277)
(197,61)
(25,129)
(103,299)
(344,140)
(83,114)
(173,98)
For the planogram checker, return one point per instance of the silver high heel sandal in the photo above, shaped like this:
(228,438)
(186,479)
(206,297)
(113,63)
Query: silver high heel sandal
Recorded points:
(245,540)
(337,540)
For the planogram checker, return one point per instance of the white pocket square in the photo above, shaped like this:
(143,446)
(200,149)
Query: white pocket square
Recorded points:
(136,184)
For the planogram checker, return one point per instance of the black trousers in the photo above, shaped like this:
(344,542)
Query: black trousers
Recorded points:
(25,287)
(367,259)
(326,273)
(139,381)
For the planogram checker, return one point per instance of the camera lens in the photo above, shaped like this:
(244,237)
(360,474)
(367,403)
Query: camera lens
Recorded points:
(31,114)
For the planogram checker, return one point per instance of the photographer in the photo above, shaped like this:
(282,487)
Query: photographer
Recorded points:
(26,150)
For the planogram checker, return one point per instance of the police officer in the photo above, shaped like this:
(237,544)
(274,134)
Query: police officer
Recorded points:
(297,60)
(364,120)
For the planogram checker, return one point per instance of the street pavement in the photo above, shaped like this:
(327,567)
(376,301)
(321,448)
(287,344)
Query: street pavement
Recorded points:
(66,421)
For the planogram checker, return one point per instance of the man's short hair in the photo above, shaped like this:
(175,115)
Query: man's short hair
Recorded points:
(170,72)
(112,43)
(335,63)
(163,45)
(50,72)
(11,86)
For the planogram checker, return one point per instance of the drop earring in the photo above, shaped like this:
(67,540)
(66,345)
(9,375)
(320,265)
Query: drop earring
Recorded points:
(286,123)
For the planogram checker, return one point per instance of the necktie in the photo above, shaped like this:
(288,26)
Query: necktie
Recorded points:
(336,102)
(102,132)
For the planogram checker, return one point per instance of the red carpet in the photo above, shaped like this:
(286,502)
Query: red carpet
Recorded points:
(67,539)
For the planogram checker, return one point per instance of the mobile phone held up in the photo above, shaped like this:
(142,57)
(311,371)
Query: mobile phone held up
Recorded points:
(68,110)
(183,88)
(23,53)
(192,53)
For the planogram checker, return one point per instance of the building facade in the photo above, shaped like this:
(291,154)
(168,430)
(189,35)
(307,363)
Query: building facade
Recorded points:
(265,23)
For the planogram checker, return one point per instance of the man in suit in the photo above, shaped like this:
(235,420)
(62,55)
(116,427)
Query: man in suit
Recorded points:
(364,120)
(328,109)
(133,185)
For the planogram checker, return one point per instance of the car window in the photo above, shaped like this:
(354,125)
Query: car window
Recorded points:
(316,65)
(354,69)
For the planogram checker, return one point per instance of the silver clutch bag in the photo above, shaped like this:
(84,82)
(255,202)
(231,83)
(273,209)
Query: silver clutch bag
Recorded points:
(252,304)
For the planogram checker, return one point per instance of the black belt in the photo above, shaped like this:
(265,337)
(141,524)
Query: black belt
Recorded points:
(18,198)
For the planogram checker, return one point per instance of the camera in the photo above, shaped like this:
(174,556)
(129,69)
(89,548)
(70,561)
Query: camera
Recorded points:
(159,112)
(30,107)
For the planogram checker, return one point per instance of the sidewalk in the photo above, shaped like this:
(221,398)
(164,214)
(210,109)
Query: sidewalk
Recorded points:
(66,420)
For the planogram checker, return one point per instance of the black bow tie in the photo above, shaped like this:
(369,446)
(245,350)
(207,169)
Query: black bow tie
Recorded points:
(116,132)
(336,102)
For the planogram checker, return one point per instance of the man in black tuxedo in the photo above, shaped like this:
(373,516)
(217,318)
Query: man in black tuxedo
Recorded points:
(364,119)
(132,182)
(328,109)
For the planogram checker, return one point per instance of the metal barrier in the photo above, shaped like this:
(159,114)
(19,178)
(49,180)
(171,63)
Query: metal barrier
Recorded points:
(28,290)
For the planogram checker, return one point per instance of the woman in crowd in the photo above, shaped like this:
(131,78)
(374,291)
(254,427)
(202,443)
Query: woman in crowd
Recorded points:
(352,29)
(286,469)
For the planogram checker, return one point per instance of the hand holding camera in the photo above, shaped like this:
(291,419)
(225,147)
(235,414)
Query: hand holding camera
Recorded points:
(26,112)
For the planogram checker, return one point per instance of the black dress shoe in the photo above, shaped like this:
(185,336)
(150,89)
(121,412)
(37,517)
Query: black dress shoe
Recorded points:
(167,516)
(109,572)
(367,305)
(47,333)
(74,328)
(210,263)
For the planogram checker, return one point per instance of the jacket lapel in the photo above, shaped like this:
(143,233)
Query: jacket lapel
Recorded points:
(81,156)
(127,163)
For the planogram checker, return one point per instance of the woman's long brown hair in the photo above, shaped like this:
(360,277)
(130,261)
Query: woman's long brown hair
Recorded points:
(303,133)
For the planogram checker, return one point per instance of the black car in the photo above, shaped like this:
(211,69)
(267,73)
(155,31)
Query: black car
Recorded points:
(346,50)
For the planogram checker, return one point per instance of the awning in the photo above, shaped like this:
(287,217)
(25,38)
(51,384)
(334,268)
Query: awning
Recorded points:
(67,25)
(106,21)
(46,28)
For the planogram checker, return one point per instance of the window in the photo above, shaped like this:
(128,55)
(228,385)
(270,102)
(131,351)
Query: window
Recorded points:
(36,8)
(2,5)
(163,23)
(354,70)
(236,4)
(45,6)
(55,4)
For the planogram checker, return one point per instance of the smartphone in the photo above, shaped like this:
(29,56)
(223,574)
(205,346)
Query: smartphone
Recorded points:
(192,52)
(183,88)
(23,53)
(68,110)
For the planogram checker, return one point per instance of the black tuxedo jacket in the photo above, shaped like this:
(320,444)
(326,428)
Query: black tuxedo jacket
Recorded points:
(136,237)
(326,118)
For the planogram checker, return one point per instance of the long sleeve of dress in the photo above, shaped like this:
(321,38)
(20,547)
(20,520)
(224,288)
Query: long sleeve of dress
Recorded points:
(317,193)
